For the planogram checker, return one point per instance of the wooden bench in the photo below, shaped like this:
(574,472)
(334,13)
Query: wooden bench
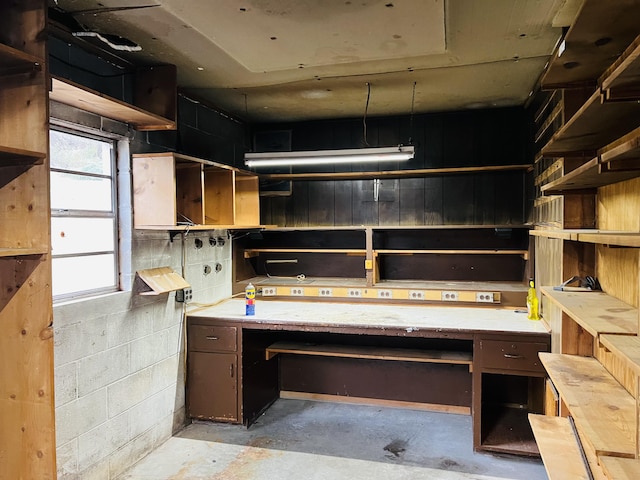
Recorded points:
(371,353)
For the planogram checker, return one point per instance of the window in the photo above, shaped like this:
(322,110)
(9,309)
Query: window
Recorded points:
(84,227)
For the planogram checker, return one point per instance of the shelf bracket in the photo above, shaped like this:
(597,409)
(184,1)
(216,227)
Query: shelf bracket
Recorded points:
(173,233)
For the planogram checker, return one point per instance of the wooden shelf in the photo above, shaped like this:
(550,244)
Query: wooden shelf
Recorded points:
(621,153)
(586,56)
(620,468)
(620,81)
(602,237)
(16,156)
(450,252)
(371,353)
(595,125)
(14,61)
(161,280)
(589,176)
(19,252)
(70,93)
(252,252)
(596,312)
(602,409)
(507,430)
(559,448)
(626,347)
(558,233)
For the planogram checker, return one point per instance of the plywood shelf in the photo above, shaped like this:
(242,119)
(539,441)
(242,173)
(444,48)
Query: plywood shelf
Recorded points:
(620,81)
(556,233)
(616,238)
(70,93)
(594,126)
(617,468)
(625,347)
(603,411)
(15,156)
(19,252)
(252,252)
(596,312)
(161,280)
(589,176)
(559,448)
(449,252)
(586,57)
(14,61)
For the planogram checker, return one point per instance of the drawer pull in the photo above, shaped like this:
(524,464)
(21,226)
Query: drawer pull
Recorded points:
(211,337)
(511,355)
(231,370)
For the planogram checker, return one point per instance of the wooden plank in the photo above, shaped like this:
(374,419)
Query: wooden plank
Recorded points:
(594,126)
(618,206)
(17,252)
(249,252)
(453,252)
(14,61)
(626,148)
(162,280)
(620,80)
(16,156)
(154,190)
(389,174)
(589,176)
(83,98)
(429,407)
(604,412)
(596,312)
(620,468)
(620,239)
(600,32)
(617,271)
(371,353)
(219,194)
(558,447)
(626,347)
(560,234)
(247,200)
(617,365)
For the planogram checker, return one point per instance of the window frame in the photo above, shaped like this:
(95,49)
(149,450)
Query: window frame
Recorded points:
(79,213)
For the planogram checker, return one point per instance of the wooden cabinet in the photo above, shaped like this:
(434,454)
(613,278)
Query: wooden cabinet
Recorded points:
(173,191)
(508,386)
(27,436)
(212,373)
(593,368)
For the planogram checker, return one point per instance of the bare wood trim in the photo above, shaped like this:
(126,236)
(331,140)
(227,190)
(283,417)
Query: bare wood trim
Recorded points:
(424,172)
(454,252)
(560,234)
(431,407)
(249,252)
(620,468)
(627,147)
(161,280)
(616,72)
(18,252)
(12,156)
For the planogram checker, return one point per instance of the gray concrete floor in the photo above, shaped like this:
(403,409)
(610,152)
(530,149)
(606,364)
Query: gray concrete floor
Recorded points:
(304,440)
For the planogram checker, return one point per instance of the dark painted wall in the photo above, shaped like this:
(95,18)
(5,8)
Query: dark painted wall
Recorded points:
(455,139)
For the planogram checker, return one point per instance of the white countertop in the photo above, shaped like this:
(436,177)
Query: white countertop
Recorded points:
(363,315)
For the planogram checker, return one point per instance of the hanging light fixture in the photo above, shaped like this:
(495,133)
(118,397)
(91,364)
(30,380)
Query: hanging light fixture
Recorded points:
(330,157)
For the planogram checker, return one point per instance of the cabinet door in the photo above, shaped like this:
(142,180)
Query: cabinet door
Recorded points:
(212,386)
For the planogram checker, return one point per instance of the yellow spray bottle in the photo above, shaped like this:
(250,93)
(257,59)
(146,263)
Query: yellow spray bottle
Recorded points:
(532,302)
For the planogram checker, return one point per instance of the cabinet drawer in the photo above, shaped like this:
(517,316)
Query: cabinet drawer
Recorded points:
(504,355)
(205,338)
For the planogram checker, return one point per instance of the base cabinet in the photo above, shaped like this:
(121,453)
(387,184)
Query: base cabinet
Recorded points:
(213,386)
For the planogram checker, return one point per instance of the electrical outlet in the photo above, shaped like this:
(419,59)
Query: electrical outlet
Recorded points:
(325,292)
(385,293)
(416,295)
(354,292)
(449,296)
(269,291)
(486,297)
(184,296)
(297,291)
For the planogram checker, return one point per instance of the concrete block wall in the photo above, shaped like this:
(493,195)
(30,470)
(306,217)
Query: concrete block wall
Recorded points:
(120,359)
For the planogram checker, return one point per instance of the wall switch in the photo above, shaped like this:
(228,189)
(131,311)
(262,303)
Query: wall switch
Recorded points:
(184,296)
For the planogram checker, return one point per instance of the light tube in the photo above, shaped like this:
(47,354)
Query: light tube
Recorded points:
(329,157)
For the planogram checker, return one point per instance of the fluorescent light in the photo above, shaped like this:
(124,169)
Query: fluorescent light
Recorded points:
(329,157)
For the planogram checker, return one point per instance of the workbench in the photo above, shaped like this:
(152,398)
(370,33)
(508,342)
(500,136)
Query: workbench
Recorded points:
(481,361)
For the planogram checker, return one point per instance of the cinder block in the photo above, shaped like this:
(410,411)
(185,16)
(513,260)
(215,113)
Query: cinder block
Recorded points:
(103,440)
(147,413)
(81,339)
(78,417)
(149,350)
(66,383)
(130,391)
(67,459)
(125,327)
(102,369)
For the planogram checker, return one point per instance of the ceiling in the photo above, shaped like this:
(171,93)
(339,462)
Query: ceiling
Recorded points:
(282,60)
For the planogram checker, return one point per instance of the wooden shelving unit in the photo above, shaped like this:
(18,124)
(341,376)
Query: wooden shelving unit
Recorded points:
(27,435)
(177,192)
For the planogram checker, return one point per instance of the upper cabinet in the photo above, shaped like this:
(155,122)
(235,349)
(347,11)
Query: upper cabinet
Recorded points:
(173,191)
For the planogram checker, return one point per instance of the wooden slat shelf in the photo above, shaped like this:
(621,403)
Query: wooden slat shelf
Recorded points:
(626,347)
(449,252)
(618,238)
(161,280)
(189,228)
(70,93)
(589,176)
(585,56)
(559,448)
(622,151)
(620,468)
(18,252)
(596,312)
(252,252)
(369,352)
(603,411)
(595,125)
(620,81)
(14,61)
(17,156)
(557,233)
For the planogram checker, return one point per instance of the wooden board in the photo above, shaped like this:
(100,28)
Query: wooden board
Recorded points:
(625,346)
(625,149)
(16,156)
(373,353)
(162,280)
(247,200)
(13,61)
(219,194)
(70,93)
(620,80)
(558,447)
(596,312)
(589,176)
(154,190)
(603,411)
(620,468)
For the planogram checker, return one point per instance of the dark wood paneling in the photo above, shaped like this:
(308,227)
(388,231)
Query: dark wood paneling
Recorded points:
(411,201)
(321,203)
(458,200)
